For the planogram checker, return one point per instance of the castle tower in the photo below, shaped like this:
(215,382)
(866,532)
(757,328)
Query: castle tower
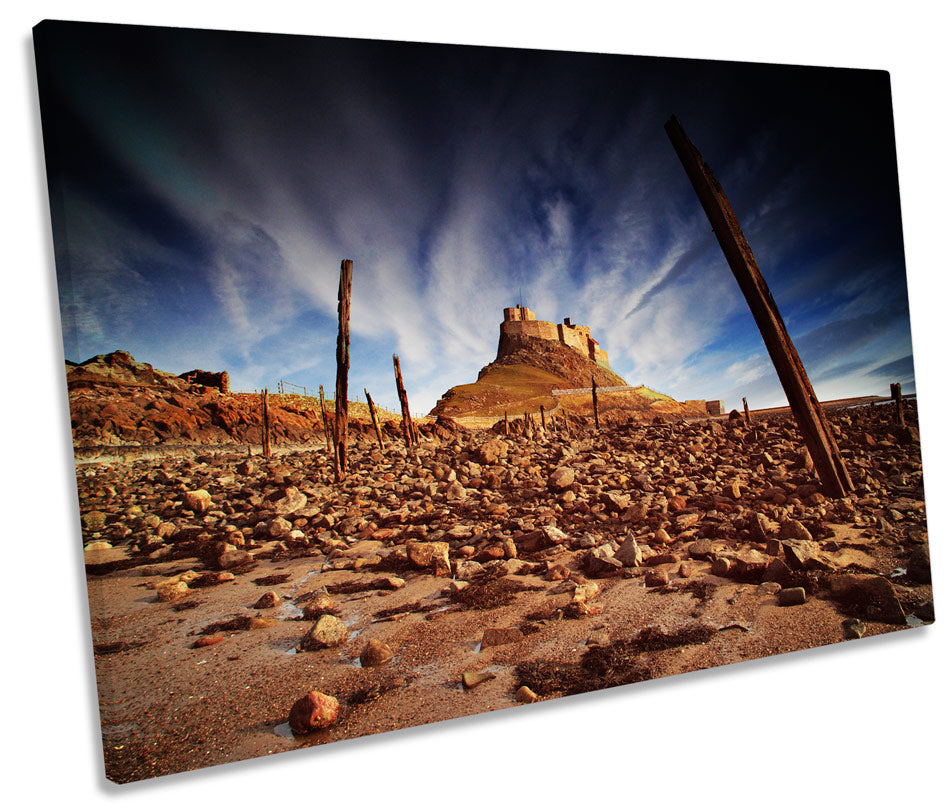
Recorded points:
(521,322)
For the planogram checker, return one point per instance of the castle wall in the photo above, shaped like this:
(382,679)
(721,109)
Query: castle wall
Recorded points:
(519,321)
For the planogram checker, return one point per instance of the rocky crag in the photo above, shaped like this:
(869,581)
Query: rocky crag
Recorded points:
(527,370)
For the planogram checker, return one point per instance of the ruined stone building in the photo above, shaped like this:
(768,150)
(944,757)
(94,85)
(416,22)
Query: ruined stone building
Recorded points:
(519,321)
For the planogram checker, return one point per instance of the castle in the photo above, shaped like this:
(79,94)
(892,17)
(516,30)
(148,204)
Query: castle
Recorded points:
(519,321)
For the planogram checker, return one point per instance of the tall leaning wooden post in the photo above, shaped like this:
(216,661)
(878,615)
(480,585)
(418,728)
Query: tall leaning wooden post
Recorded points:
(341,426)
(801,397)
(408,430)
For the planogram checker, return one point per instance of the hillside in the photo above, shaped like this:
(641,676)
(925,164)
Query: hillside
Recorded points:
(526,371)
(115,400)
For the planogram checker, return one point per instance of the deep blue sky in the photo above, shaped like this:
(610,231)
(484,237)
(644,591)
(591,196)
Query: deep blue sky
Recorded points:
(206,185)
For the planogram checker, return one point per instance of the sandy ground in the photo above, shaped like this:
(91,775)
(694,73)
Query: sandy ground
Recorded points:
(166,706)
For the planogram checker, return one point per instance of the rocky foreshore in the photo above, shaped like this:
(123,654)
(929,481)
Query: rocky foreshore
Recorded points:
(475,571)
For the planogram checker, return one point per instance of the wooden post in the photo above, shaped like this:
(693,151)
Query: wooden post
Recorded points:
(506,423)
(327,434)
(745,408)
(544,425)
(593,392)
(898,402)
(801,397)
(408,430)
(265,426)
(341,426)
(372,416)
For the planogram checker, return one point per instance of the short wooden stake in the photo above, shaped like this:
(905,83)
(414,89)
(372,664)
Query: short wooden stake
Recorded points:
(745,408)
(372,416)
(898,402)
(593,392)
(408,430)
(327,434)
(265,426)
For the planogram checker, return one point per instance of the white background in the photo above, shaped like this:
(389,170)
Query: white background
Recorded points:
(863,725)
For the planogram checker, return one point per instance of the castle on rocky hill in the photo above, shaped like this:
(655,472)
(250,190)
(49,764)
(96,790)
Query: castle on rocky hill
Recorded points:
(520,322)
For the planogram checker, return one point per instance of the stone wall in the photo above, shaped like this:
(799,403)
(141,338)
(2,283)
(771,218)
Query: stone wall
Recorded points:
(214,380)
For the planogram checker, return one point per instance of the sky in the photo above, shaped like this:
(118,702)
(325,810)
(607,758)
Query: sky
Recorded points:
(205,186)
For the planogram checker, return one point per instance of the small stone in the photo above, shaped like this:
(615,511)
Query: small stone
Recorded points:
(268,601)
(314,711)
(794,529)
(94,520)
(561,479)
(230,559)
(170,591)
(657,578)
(210,640)
(327,632)
(501,637)
(199,501)
(430,555)
(471,679)
(630,554)
(793,596)
(853,628)
(599,637)
(466,570)
(375,653)
(525,694)
(321,604)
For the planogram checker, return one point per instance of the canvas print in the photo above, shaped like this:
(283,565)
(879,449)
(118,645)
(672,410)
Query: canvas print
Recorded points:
(413,381)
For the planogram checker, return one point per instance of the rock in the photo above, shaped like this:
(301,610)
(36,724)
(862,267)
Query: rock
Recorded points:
(278,527)
(873,594)
(779,572)
(94,520)
(657,578)
(525,694)
(208,640)
(721,566)
(793,596)
(853,628)
(430,555)
(230,559)
(314,711)
(701,548)
(918,566)
(268,601)
(491,452)
(466,570)
(321,604)
(599,637)
(601,561)
(630,554)
(375,653)
(97,545)
(329,631)
(471,679)
(561,479)
(199,501)
(500,637)
(805,555)
(794,529)
(169,591)
(290,501)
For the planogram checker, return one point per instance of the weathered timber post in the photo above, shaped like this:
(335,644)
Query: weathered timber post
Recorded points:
(372,416)
(327,434)
(593,392)
(506,423)
(898,402)
(341,426)
(801,397)
(265,426)
(544,425)
(745,408)
(408,430)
